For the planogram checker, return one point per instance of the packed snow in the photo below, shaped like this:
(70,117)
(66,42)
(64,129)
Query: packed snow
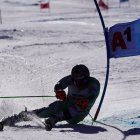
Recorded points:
(39,47)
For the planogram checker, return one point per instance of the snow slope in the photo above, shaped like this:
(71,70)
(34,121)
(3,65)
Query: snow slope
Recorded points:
(37,48)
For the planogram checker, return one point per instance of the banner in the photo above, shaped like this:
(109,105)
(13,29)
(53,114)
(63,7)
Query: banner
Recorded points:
(102,5)
(124,39)
(45,5)
(124,0)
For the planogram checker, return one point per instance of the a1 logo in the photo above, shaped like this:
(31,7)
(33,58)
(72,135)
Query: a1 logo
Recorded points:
(122,39)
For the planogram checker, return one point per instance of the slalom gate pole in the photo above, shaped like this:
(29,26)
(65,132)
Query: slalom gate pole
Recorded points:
(11,97)
(108,62)
(91,118)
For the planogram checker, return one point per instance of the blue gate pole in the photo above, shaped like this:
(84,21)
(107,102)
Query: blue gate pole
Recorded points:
(108,62)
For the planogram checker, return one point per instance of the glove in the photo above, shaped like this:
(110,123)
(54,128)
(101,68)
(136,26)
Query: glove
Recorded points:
(60,94)
(82,103)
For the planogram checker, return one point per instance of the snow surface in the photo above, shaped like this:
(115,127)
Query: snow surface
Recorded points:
(38,47)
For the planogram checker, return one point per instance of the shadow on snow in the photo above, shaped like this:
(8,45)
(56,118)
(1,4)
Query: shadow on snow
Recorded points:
(82,128)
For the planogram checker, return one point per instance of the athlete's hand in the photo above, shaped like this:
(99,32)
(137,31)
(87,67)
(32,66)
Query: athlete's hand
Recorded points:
(60,94)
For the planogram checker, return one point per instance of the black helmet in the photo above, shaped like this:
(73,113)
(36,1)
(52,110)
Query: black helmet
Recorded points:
(80,75)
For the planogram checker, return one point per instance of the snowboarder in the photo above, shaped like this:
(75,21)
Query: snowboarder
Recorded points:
(72,107)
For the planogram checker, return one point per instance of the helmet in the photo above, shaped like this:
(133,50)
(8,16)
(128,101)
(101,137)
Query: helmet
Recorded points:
(80,75)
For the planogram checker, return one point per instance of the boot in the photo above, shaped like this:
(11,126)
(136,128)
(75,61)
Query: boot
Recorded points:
(50,123)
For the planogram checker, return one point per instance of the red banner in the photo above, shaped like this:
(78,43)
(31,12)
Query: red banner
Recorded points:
(45,5)
(102,4)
